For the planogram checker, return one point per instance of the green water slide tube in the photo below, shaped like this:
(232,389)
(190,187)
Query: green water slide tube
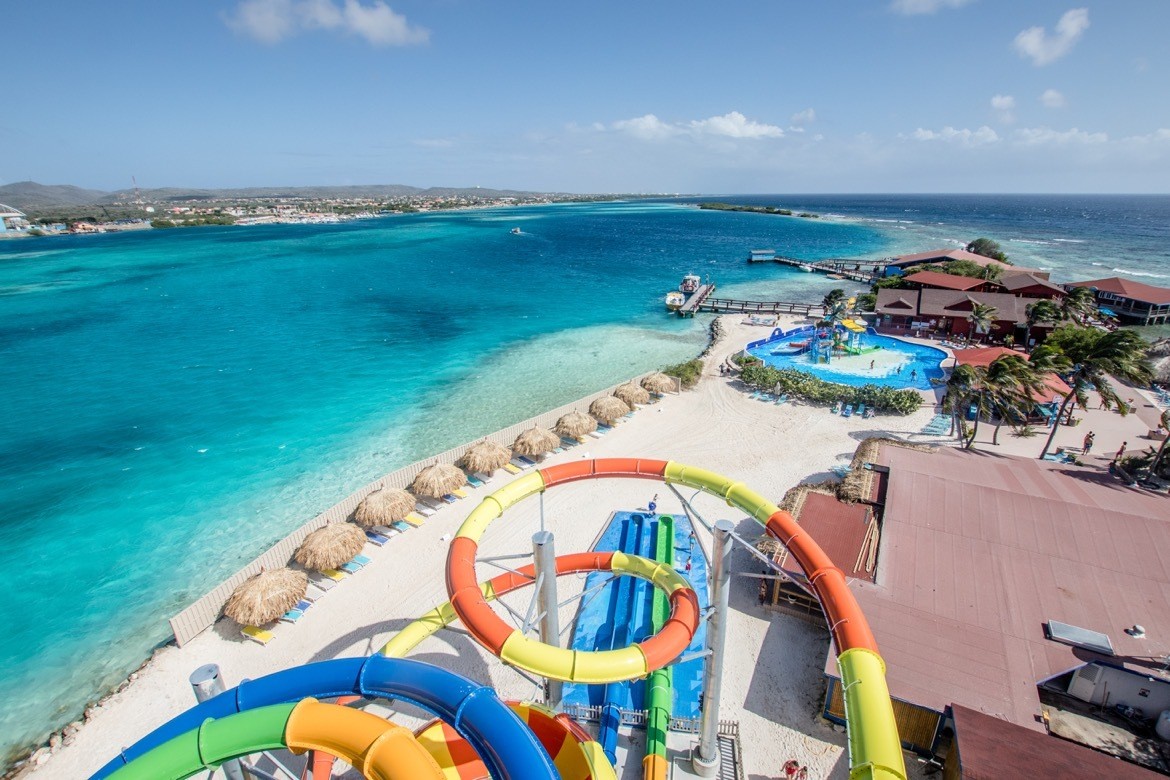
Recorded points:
(659,688)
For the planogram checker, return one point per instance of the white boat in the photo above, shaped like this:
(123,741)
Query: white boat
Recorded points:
(689,284)
(674,300)
(515,231)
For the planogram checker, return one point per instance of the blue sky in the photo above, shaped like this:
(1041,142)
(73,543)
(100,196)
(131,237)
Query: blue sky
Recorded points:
(766,96)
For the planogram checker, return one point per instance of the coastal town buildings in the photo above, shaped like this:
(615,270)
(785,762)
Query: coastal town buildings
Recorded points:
(1132,302)
(11,219)
(948,314)
(902,263)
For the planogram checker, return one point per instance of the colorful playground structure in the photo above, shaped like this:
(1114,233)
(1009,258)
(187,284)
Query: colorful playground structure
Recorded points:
(476,734)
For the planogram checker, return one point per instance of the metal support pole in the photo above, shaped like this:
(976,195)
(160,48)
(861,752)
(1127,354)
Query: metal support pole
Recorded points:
(705,758)
(544,559)
(207,683)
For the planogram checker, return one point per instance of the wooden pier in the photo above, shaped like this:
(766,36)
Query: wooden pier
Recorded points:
(731,306)
(695,300)
(857,270)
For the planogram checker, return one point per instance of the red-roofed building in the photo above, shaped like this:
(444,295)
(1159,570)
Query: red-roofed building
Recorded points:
(984,563)
(946,313)
(1029,285)
(939,256)
(1131,301)
(939,281)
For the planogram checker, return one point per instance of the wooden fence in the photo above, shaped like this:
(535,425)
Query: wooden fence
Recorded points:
(203,613)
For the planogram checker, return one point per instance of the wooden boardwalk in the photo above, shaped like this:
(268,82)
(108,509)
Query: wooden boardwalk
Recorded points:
(857,270)
(732,306)
(695,301)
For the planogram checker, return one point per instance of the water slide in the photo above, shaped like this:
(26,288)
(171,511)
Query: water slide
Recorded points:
(853,325)
(659,688)
(258,715)
(875,752)
(278,711)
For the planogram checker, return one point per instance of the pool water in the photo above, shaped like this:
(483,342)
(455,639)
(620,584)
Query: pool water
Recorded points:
(895,363)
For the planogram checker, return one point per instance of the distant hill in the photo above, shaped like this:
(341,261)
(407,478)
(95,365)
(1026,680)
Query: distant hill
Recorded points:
(30,196)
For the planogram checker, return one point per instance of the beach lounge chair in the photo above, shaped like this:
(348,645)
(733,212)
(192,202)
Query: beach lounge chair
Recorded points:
(351,567)
(847,411)
(474,481)
(377,538)
(484,476)
(860,410)
(292,616)
(364,560)
(836,409)
(313,592)
(323,584)
(869,412)
(459,493)
(512,468)
(423,509)
(782,399)
(840,469)
(526,459)
(257,634)
(333,574)
(411,519)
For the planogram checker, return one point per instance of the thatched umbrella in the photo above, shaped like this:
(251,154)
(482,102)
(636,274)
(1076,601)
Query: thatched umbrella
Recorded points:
(330,546)
(383,507)
(535,441)
(607,409)
(486,456)
(658,382)
(438,480)
(267,596)
(575,425)
(631,394)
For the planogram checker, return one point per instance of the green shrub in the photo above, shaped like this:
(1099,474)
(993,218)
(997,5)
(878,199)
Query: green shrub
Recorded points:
(818,391)
(745,360)
(687,373)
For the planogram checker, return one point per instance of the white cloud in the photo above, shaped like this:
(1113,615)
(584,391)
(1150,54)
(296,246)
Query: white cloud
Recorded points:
(1004,105)
(648,128)
(805,117)
(964,137)
(1034,136)
(730,125)
(735,125)
(1053,99)
(271,21)
(914,7)
(1043,49)
(1161,135)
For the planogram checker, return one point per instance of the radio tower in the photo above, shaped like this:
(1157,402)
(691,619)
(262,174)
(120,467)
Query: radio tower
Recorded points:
(137,192)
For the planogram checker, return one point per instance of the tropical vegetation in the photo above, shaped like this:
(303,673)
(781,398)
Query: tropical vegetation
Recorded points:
(687,373)
(1095,356)
(814,390)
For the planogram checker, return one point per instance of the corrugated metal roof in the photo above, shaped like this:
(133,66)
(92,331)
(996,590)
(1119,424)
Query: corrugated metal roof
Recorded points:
(1128,288)
(979,550)
(945,281)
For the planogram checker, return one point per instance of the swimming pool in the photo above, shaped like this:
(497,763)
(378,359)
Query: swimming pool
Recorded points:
(885,361)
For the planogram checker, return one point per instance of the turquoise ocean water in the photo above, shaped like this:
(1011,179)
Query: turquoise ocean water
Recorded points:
(175,401)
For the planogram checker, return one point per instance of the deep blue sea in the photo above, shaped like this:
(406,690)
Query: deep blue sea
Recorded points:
(175,401)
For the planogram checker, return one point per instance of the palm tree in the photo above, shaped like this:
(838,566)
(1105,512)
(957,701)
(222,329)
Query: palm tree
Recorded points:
(1078,305)
(960,388)
(1001,390)
(1157,461)
(1096,356)
(835,296)
(1041,311)
(982,317)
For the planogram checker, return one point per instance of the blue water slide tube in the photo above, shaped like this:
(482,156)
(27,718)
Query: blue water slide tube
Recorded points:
(508,748)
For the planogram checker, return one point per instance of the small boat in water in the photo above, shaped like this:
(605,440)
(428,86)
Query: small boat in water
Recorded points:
(674,300)
(689,284)
(515,231)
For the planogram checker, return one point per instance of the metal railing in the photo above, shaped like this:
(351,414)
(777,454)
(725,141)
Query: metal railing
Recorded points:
(203,613)
(591,713)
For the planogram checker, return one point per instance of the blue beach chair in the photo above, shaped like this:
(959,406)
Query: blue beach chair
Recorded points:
(377,538)
(782,399)
(860,410)
(847,411)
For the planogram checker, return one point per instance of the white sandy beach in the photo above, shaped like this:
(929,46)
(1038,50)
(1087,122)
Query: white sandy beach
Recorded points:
(772,677)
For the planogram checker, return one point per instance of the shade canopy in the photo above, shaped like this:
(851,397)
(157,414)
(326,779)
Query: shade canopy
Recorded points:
(438,480)
(383,507)
(631,394)
(330,546)
(485,455)
(658,382)
(607,409)
(535,441)
(265,597)
(984,356)
(575,424)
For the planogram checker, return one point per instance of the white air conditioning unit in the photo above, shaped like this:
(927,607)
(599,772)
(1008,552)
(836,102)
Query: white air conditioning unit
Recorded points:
(1084,682)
